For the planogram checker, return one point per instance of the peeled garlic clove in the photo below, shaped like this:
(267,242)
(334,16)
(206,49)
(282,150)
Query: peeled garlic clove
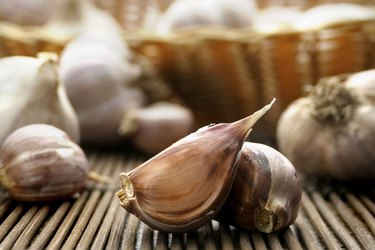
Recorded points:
(155,127)
(266,191)
(39,162)
(329,133)
(30,92)
(185,185)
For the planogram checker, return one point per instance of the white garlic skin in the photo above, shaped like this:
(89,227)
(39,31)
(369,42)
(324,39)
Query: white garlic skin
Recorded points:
(39,162)
(363,83)
(340,151)
(97,71)
(27,12)
(30,92)
(158,125)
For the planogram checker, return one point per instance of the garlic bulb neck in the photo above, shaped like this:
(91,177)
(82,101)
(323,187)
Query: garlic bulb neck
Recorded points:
(332,102)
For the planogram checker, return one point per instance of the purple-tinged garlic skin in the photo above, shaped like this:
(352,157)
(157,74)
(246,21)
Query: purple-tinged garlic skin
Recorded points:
(97,72)
(184,186)
(330,133)
(39,162)
(155,127)
(266,192)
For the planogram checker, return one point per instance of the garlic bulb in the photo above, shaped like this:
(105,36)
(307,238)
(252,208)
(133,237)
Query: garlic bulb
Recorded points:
(266,192)
(330,133)
(39,162)
(185,185)
(27,12)
(97,70)
(184,14)
(30,92)
(155,127)
(363,83)
(324,15)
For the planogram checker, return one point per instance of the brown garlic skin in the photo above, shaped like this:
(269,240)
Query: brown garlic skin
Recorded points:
(39,162)
(330,133)
(266,191)
(184,186)
(155,127)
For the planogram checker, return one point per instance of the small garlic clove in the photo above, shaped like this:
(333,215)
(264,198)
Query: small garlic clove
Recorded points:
(185,185)
(30,92)
(266,192)
(155,127)
(39,162)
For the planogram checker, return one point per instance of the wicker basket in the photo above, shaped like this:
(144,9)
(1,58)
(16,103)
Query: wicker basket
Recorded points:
(224,75)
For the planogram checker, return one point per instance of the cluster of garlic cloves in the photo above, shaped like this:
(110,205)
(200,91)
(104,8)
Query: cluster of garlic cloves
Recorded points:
(39,162)
(186,185)
(30,92)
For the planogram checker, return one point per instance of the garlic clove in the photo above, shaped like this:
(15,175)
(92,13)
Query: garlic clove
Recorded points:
(185,185)
(39,162)
(155,127)
(30,92)
(266,192)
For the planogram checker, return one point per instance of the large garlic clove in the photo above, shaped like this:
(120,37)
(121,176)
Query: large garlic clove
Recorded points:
(30,92)
(330,133)
(185,185)
(266,192)
(155,127)
(39,162)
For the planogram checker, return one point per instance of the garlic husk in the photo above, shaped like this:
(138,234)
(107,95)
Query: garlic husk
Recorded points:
(266,192)
(155,127)
(363,83)
(39,162)
(30,92)
(185,185)
(27,12)
(330,133)
(98,73)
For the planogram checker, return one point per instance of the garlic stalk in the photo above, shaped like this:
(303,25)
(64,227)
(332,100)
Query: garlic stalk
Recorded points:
(30,92)
(330,133)
(266,192)
(155,127)
(185,185)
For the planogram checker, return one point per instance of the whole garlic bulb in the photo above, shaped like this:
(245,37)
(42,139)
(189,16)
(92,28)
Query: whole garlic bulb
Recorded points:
(30,92)
(266,191)
(39,162)
(363,83)
(27,12)
(184,186)
(97,71)
(330,133)
(155,127)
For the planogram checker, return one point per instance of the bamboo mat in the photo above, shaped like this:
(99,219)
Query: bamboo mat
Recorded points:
(331,217)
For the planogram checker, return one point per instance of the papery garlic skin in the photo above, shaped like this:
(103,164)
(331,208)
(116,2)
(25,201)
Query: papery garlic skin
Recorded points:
(333,138)
(266,193)
(30,92)
(97,71)
(184,186)
(363,83)
(155,127)
(39,162)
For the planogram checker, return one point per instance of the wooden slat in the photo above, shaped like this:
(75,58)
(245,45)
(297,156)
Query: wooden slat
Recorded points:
(330,217)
